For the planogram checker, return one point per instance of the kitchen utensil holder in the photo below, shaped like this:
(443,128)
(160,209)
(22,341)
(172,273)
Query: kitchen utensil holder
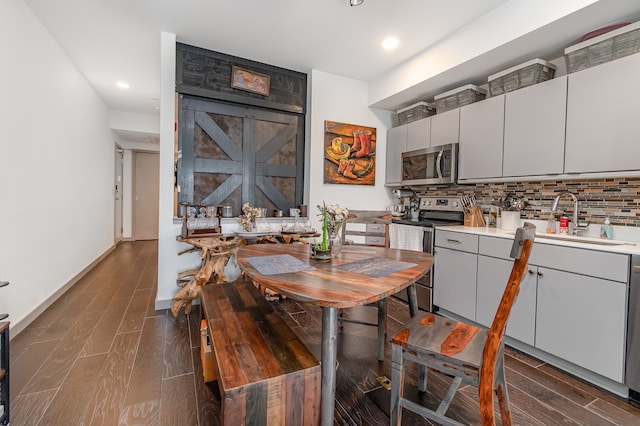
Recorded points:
(473,217)
(510,220)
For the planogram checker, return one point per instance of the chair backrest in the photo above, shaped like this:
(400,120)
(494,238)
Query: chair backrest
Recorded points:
(522,244)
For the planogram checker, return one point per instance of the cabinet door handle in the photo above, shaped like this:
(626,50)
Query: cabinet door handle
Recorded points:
(540,274)
(453,241)
(531,271)
(4,283)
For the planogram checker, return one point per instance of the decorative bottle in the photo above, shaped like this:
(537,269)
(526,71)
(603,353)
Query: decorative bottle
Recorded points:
(606,230)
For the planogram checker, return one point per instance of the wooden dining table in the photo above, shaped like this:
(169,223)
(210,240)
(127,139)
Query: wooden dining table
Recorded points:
(359,275)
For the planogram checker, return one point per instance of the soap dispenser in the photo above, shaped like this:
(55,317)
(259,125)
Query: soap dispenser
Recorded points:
(606,230)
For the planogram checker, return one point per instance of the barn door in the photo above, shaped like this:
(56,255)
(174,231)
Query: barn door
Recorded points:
(233,154)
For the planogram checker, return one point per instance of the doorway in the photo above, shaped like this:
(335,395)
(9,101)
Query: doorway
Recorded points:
(117,195)
(146,175)
(234,154)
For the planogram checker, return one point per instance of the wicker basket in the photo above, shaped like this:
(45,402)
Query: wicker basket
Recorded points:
(461,96)
(415,112)
(606,47)
(523,75)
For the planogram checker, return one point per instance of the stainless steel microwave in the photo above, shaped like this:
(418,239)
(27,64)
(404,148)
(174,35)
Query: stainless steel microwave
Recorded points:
(436,165)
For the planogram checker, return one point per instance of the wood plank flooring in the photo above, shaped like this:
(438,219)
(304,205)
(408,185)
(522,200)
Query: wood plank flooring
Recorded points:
(101,355)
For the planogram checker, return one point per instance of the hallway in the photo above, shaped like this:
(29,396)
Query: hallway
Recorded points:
(101,355)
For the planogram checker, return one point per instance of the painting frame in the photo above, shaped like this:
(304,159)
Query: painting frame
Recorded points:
(250,81)
(349,154)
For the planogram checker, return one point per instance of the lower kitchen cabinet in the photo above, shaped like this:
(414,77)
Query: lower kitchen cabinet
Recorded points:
(583,320)
(493,275)
(572,302)
(455,281)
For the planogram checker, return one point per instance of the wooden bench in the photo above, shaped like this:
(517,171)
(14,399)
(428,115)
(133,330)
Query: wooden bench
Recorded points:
(265,373)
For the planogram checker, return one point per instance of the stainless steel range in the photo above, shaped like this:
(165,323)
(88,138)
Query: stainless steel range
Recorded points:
(433,211)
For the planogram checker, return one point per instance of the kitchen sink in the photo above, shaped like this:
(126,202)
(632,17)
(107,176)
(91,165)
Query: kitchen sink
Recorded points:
(583,240)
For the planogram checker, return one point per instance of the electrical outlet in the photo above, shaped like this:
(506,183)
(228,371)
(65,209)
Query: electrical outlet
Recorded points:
(385,382)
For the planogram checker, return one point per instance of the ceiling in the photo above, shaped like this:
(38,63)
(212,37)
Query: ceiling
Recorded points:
(119,40)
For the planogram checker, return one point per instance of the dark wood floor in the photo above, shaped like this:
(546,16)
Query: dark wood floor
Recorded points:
(101,355)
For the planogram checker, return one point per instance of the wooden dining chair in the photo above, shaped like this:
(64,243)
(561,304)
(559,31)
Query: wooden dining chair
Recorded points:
(472,355)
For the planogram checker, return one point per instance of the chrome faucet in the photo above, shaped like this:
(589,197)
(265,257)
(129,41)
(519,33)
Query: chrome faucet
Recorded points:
(556,201)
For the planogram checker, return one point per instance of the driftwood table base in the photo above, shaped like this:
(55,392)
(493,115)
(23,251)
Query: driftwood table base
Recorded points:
(216,251)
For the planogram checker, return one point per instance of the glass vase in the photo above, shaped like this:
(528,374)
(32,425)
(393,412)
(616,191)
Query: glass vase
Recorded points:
(335,244)
(262,225)
(249,226)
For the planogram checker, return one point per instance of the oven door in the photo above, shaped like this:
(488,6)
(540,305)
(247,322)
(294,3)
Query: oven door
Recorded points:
(424,289)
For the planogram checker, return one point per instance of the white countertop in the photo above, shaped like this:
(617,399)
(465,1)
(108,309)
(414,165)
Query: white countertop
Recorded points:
(626,247)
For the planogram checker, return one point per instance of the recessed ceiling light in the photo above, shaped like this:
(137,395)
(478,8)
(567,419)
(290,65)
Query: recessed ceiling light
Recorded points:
(123,85)
(390,43)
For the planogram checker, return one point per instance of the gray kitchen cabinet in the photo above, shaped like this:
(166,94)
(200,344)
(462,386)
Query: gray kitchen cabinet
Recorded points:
(481,139)
(602,118)
(419,134)
(534,129)
(572,302)
(494,268)
(582,320)
(365,233)
(396,145)
(493,274)
(445,127)
(454,279)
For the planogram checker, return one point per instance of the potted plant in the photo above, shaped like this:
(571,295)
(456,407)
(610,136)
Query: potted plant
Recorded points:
(322,250)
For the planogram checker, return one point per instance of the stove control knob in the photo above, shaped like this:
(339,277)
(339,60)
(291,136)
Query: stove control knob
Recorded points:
(456,204)
(426,203)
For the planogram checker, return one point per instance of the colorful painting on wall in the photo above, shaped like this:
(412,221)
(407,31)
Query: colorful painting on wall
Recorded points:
(349,154)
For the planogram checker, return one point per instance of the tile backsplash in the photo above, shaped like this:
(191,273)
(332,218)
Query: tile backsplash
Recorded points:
(618,198)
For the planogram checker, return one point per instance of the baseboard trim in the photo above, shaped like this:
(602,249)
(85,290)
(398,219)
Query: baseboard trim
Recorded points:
(163,304)
(166,303)
(18,326)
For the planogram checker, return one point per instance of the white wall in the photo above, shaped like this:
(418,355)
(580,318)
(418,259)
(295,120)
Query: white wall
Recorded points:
(344,100)
(56,168)
(168,261)
(134,122)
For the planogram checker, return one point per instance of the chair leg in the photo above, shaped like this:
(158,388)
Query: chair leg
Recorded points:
(397,384)
(382,327)
(413,311)
(503,396)
(422,378)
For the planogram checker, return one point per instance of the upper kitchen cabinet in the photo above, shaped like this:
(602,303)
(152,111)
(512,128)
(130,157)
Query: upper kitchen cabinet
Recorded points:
(419,134)
(445,127)
(534,129)
(396,145)
(481,139)
(602,118)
